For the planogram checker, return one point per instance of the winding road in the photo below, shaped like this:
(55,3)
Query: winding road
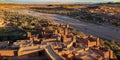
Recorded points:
(107,32)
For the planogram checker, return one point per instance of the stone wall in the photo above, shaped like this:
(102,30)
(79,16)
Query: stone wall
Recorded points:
(8,53)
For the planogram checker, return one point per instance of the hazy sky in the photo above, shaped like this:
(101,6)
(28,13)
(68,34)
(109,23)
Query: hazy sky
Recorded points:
(62,1)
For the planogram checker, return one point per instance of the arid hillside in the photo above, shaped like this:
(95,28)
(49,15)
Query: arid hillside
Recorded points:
(11,6)
(102,15)
(99,14)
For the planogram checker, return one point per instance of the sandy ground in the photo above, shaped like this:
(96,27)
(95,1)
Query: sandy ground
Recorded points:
(107,32)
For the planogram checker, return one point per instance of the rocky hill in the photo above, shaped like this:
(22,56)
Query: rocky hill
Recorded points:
(103,14)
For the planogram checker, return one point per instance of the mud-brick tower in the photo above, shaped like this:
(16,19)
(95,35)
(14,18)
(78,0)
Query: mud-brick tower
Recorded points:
(74,38)
(64,38)
(66,29)
(43,31)
(29,34)
(56,32)
(111,54)
(97,41)
(59,37)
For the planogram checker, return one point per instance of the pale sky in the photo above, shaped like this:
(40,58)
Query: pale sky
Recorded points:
(62,1)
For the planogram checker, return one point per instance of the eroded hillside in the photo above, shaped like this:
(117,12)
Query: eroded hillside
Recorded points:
(101,14)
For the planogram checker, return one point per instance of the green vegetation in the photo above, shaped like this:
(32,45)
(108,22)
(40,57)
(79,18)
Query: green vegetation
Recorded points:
(17,25)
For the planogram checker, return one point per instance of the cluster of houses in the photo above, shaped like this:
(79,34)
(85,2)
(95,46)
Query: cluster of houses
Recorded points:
(55,44)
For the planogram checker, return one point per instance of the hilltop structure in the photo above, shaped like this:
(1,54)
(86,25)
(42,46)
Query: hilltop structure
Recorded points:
(55,44)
